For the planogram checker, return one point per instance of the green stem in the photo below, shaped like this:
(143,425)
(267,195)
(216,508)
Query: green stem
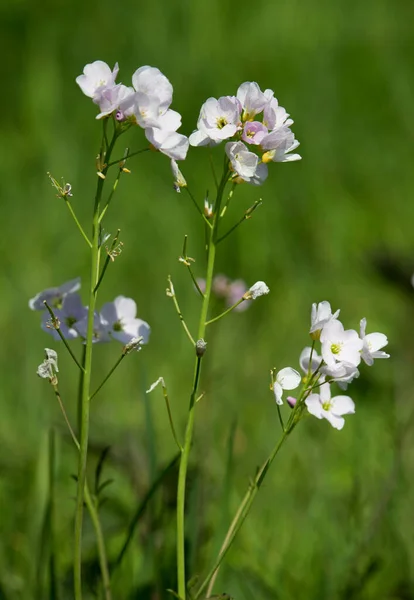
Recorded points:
(130,155)
(75,218)
(109,257)
(171,294)
(206,221)
(182,475)
(84,433)
(246,216)
(56,326)
(226,311)
(239,519)
(107,377)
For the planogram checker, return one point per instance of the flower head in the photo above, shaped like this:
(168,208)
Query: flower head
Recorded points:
(321,315)
(323,406)
(252,99)
(278,144)
(339,345)
(119,320)
(258,289)
(219,120)
(246,164)
(286,379)
(54,296)
(372,344)
(97,77)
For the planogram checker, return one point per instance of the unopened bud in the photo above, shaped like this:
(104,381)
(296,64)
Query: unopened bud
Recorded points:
(291,401)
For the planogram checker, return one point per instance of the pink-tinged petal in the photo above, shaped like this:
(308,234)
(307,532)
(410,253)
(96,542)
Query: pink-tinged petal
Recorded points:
(150,81)
(314,406)
(342,405)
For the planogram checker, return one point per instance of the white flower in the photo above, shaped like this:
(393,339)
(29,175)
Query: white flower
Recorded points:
(179,180)
(218,120)
(372,344)
(322,406)
(71,312)
(321,315)
(304,360)
(286,379)
(96,77)
(277,145)
(275,116)
(120,98)
(49,367)
(243,162)
(54,296)
(341,372)
(100,329)
(119,319)
(252,99)
(150,82)
(257,290)
(172,144)
(340,345)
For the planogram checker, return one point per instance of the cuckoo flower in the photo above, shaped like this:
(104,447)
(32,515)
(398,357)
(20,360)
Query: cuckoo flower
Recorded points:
(252,99)
(321,315)
(305,360)
(286,379)
(339,345)
(71,312)
(54,296)
(372,344)
(97,77)
(219,120)
(172,144)
(119,320)
(323,406)
(278,144)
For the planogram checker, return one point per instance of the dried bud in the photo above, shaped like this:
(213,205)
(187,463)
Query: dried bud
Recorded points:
(133,345)
(49,367)
(200,346)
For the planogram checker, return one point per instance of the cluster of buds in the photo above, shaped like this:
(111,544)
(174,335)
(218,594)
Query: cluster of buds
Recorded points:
(147,104)
(341,354)
(251,117)
(116,320)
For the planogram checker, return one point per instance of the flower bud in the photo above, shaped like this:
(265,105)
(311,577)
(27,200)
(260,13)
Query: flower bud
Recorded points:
(200,347)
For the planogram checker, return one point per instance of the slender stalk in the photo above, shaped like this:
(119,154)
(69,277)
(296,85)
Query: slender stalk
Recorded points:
(239,519)
(110,256)
(130,155)
(226,311)
(53,579)
(246,216)
(84,433)
(56,326)
(171,294)
(182,475)
(79,226)
(206,221)
(107,377)
(93,512)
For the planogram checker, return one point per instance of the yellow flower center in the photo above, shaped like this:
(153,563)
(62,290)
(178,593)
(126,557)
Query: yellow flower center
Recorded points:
(336,348)
(221,122)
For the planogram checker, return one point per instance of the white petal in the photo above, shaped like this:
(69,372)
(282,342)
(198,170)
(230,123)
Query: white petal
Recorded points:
(288,378)
(336,422)
(314,405)
(342,405)
(125,307)
(376,341)
(278,391)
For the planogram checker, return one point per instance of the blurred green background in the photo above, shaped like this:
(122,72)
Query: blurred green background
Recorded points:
(334,519)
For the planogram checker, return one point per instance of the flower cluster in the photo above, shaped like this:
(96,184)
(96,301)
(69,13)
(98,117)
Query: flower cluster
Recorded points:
(116,320)
(251,117)
(341,354)
(147,103)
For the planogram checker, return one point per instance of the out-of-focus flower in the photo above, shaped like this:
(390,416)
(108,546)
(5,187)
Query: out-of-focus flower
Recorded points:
(323,406)
(71,312)
(97,76)
(321,315)
(341,372)
(275,116)
(49,367)
(100,329)
(372,344)
(339,345)
(179,180)
(54,296)
(219,120)
(258,289)
(286,379)
(119,320)
(305,359)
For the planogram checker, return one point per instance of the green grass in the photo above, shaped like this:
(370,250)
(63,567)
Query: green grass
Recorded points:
(334,518)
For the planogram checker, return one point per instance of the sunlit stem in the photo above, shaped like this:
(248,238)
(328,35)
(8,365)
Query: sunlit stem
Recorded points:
(85,404)
(112,192)
(79,226)
(100,386)
(171,294)
(199,210)
(182,475)
(229,197)
(130,155)
(246,216)
(109,258)
(226,312)
(56,326)
(167,404)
